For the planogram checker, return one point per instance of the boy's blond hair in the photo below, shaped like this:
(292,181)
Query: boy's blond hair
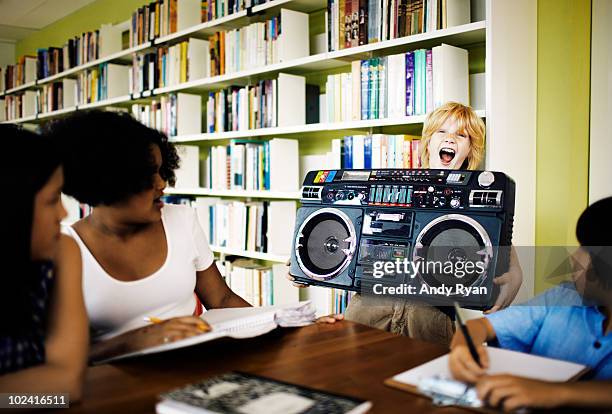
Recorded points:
(469,123)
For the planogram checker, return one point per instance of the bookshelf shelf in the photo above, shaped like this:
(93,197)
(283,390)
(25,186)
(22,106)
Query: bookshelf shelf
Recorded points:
(20,88)
(252,255)
(21,120)
(106,102)
(124,56)
(307,129)
(52,114)
(279,195)
(241,18)
(456,36)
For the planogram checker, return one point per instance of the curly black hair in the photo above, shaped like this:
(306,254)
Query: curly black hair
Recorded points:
(107,156)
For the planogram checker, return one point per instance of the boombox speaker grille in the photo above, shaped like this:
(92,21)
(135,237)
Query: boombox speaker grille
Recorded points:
(448,240)
(325,243)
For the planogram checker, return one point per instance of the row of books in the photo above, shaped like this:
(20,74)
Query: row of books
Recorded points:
(268,103)
(170,65)
(247,225)
(161,18)
(282,38)
(329,301)
(215,9)
(24,71)
(351,23)
(405,84)
(56,96)
(376,151)
(254,165)
(19,105)
(76,51)
(174,114)
(106,81)
(251,281)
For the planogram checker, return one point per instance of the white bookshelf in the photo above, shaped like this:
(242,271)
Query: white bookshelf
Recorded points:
(269,257)
(123,56)
(307,129)
(457,36)
(242,18)
(207,192)
(506,28)
(56,113)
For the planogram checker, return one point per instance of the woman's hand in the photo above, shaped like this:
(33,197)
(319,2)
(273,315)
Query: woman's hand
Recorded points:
(330,318)
(509,283)
(169,330)
(511,393)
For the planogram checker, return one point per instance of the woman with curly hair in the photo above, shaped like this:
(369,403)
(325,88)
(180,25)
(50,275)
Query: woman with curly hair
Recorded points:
(141,258)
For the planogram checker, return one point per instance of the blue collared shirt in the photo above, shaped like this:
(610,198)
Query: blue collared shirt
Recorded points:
(556,324)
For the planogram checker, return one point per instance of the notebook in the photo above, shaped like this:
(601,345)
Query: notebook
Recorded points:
(237,323)
(240,393)
(433,379)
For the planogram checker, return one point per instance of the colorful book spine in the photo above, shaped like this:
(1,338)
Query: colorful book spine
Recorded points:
(410,83)
(365,91)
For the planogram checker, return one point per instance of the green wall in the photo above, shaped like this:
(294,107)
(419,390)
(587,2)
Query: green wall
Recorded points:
(86,19)
(564,36)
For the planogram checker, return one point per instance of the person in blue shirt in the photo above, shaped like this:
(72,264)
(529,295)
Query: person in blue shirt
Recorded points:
(570,322)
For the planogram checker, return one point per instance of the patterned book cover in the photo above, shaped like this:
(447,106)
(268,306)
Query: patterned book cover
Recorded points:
(237,392)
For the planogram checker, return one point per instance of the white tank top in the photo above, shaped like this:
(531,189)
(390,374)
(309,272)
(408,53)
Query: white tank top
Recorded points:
(115,307)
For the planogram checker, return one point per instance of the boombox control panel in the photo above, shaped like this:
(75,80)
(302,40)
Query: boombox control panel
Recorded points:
(431,189)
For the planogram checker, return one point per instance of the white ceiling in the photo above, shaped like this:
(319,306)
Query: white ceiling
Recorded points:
(20,18)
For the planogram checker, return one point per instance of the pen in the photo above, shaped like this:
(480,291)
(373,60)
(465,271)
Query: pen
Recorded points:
(153,319)
(466,335)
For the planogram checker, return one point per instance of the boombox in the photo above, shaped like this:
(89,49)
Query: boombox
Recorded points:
(434,235)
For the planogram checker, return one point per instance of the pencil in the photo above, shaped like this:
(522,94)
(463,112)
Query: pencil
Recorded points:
(153,319)
(466,335)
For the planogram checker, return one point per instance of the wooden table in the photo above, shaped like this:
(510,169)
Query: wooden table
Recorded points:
(345,358)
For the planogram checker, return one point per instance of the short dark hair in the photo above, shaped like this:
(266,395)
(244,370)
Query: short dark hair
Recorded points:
(107,156)
(594,233)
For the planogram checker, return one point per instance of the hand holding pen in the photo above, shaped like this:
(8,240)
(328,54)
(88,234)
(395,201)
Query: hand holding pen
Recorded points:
(160,331)
(468,359)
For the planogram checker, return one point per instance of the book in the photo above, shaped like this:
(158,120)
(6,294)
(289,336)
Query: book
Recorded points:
(450,75)
(237,392)
(434,379)
(236,323)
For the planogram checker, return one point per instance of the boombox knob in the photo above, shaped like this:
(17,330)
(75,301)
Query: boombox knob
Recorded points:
(486,178)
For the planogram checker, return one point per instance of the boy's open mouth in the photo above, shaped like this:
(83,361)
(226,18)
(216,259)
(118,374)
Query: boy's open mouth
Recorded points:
(447,155)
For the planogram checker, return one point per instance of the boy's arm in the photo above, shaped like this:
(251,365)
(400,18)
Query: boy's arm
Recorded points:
(511,393)
(462,365)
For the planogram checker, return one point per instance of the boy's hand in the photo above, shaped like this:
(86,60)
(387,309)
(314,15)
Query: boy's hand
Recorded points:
(462,365)
(290,277)
(511,393)
(509,283)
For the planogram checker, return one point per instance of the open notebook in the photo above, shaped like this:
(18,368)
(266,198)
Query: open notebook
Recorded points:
(434,379)
(237,323)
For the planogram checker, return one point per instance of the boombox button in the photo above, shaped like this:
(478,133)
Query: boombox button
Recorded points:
(350,196)
(430,189)
(454,203)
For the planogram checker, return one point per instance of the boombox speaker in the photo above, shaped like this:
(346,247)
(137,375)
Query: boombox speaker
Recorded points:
(434,235)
